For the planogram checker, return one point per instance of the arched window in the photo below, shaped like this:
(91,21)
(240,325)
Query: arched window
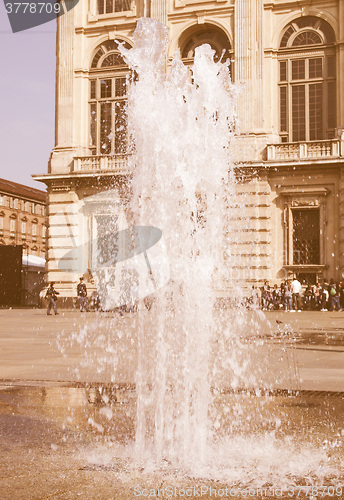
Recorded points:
(307,81)
(108,101)
(194,37)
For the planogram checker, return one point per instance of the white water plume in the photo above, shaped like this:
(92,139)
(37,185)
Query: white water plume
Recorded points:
(183,176)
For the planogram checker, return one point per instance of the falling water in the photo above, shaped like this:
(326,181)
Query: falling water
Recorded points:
(201,368)
(183,180)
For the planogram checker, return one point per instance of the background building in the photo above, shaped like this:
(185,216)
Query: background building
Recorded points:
(22,243)
(290,147)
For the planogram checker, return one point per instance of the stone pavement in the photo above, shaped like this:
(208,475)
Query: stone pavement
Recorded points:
(57,440)
(29,346)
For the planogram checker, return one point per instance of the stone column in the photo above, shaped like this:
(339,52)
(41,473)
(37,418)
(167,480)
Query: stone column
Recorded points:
(340,125)
(248,19)
(64,79)
(340,67)
(341,224)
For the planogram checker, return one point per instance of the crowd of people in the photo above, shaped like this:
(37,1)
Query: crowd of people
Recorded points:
(292,296)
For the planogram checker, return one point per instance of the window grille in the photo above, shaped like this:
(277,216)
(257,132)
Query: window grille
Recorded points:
(306,236)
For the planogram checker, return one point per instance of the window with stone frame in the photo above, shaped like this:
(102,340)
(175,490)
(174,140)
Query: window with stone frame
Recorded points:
(307,81)
(34,231)
(109,79)
(306,236)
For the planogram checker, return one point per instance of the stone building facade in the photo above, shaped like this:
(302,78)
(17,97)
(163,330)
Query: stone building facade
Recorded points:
(23,217)
(287,55)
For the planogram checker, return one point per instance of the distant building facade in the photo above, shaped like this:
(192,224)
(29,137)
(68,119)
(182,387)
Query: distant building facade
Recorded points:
(290,57)
(23,217)
(22,243)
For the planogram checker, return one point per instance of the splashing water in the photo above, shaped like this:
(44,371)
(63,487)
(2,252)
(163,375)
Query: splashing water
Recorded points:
(182,184)
(182,133)
(192,354)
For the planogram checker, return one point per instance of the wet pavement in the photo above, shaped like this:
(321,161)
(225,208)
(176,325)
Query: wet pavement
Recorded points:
(67,427)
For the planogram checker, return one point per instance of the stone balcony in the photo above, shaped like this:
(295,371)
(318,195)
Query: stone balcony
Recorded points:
(117,164)
(303,151)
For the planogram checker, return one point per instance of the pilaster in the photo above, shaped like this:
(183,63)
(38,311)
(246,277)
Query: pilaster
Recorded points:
(159,10)
(341,224)
(64,79)
(248,16)
(340,66)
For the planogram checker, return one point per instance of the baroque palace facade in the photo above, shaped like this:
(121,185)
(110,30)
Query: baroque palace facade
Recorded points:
(288,57)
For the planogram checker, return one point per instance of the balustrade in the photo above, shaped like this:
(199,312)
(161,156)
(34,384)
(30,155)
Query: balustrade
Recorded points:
(119,164)
(306,150)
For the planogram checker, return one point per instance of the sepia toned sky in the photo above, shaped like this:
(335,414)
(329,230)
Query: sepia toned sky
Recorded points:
(27,93)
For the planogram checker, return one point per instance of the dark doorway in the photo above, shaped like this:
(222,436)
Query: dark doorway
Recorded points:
(10,275)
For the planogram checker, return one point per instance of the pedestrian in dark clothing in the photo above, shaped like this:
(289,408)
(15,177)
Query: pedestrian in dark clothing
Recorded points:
(309,298)
(341,294)
(51,295)
(334,296)
(276,297)
(324,296)
(82,294)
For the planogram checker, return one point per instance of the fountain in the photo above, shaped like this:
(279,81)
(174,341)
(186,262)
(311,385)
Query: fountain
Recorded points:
(204,373)
(192,353)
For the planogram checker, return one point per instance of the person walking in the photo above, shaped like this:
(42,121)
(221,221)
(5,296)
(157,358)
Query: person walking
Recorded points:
(82,294)
(295,290)
(51,296)
(287,297)
(325,296)
(334,296)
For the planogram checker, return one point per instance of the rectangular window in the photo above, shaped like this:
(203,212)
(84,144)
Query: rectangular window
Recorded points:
(2,199)
(283,108)
(1,224)
(23,227)
(298,69)
(15,203)
(22,205)
(100,6)
(283,71)
(120,87)
(12,226)
(315,112)
(105,127)
(93,121)
(298,113)
(315,68)
(331,105)
(121,127)
(34,229)
(122,5)
(11,203)
(93,89)
(109,6)
(105,88)
(306,236)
